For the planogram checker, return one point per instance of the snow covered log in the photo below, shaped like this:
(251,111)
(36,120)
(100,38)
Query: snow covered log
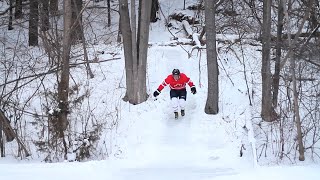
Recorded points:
(195,37)
(187,28)
(181,16)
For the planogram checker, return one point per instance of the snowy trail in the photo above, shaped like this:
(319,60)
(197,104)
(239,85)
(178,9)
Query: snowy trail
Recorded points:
(196,146)
(192,147)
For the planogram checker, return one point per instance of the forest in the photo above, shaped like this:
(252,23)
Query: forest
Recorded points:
(55,52)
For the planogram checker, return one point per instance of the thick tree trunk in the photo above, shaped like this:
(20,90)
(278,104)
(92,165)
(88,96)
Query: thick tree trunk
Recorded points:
(135,49)
(33,23)
(45,15)
(76,31)
(212,106)
(143,38)
(63,86)
(266,104)
(133,20)
(276,76)
(126,32)
(18,9)
(54,7)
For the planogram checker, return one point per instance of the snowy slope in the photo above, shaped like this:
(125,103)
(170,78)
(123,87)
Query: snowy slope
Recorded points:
(149,143)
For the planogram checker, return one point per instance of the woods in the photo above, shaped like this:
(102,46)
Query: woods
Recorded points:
(44,43)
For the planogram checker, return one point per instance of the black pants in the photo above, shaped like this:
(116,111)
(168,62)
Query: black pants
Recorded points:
(180,94)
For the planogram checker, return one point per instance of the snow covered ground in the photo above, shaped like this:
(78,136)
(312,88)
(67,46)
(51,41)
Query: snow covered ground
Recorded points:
(156,146)
(153,145)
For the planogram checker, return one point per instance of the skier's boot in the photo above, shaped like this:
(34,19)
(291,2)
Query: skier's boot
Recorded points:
(182,112)
(176,115)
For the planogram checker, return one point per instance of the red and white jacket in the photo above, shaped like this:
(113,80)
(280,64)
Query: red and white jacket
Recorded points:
(179,84)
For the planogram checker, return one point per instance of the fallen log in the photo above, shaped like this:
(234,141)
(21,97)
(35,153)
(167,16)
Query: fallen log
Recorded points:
(187,28)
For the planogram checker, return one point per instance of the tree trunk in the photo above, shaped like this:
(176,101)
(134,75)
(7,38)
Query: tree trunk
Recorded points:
(296,116)
(126,32)
(212,106)
(109,12)
(54,7)
(2,153)
(276,76)
(10,15)
(142,49)
(76,31)
(154,10)
(266,104)
(63,86)
(45,15)
(18,9)
(135,49)
(33,23)
(119,31)
(296,110)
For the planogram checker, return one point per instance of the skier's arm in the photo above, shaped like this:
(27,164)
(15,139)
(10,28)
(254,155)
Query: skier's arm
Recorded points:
(189,82)
(192,86)
(163,84)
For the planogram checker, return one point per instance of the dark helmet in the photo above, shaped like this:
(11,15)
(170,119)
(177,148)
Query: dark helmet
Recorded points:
(175,72)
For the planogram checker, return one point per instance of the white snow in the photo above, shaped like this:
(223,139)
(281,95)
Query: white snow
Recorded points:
(151,144)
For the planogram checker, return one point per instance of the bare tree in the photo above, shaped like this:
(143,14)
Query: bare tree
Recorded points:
(266,104)
(296,108)
(33,23)
(212,63)
(76,31)
(18,9)
(63,84)
(109,12)
(10,27)
(44,15)
(276,76)
(135,49)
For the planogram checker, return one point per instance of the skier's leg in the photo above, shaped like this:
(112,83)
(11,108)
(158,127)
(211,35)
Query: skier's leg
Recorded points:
(174,100)
(182,101)
(175,104)
(182,98)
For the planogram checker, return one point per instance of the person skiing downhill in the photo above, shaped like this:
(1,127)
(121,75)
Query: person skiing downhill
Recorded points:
(178,94)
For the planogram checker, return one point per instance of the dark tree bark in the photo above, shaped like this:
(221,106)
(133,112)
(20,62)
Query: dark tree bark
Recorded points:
(76,31)
(18,9)
(154,10)
(33,23)
(10,27)
(266,104)
(2,153)
(109,12)
(53,5)
(45,15)
(212,106)
(135,49)
(63,85)
(276,76)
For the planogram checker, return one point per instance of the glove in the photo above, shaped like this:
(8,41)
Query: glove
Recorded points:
(156,93)
(193,90)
